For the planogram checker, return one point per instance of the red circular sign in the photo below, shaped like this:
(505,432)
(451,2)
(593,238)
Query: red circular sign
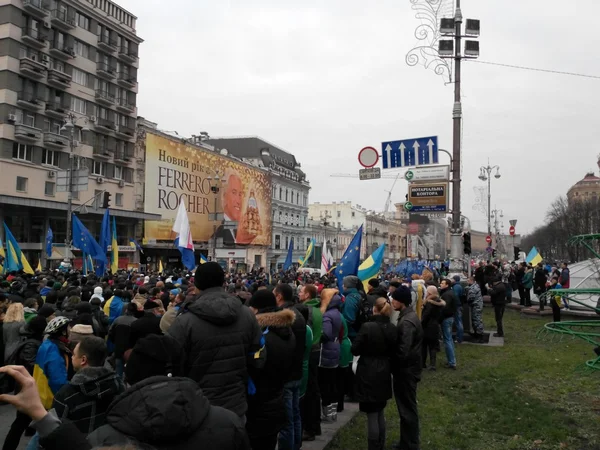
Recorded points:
(511,231)
(368,157)
(488,239)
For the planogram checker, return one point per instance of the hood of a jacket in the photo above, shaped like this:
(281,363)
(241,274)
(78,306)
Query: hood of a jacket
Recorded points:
(216,306)
(330,298)
(159,410)
(278,322)
(97,382)
(28,310)
(99,296)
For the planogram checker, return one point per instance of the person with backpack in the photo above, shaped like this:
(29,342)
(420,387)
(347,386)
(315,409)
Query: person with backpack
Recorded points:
(330,352)
(24,355)
(353,306)
(461,298)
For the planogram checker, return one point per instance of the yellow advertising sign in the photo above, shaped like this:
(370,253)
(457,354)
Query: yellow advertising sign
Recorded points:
(175,172)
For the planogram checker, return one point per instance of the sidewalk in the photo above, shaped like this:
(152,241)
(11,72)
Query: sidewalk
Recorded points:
(330,429)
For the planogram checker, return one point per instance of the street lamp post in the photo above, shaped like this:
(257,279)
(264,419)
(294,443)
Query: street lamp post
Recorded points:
(485,174)
(215,187)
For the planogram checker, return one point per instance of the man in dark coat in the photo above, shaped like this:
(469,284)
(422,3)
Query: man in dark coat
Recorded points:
(118,335)
(448,313)
(407,365)
(497,292)
(148,324)
(85,399)
(220,337)
(290,437)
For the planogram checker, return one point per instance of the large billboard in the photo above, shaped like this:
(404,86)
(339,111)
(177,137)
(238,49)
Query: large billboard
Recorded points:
(175,171)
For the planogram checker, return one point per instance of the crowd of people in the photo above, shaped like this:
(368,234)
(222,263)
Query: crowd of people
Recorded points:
(227,361)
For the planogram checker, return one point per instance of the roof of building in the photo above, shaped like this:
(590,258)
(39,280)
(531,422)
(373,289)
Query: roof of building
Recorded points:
(587,180)
(251,147)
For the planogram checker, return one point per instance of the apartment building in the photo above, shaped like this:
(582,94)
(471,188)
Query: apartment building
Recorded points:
(68,88)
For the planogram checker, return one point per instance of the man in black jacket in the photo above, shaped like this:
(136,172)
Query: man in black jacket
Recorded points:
(220,337)
(406,369)
(448,313)
(290,437)
(497,292)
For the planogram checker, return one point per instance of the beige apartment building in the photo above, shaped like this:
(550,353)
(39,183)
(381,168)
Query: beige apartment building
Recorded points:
(67,63)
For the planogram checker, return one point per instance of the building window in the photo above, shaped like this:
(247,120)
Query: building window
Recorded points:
(21,184)
(49,189)
(78,105)
(353,214)
(22,152)
(287,242)
(82,21)
(82,49)
(50,157)
(26,118)
(277,242)
(297,198)
(286,195)
(119,199)
(99,168)
(80,77)
(339,214)
(118,173)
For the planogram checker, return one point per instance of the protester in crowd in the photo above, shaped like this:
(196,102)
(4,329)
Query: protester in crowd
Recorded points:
(555,300)
(475,301)
(221,337)
(305,368)
(448,314)
(118,335)
(78,332)
(480,276)
(418,292)
(352,305)
(47,311)
(519,278)
(344,374)
(172,310)
(100,320)
(11,330)
(266,406)
(461,298)
(97,294)
(497,293)
(508,278)
(148,323)
(330,351)
(85,399)
(540,279)
(375,291)
(430,322)
(406,368)
(69,311)
(527,283)
(30,309)
(375,344)
(113,307)
(565,281)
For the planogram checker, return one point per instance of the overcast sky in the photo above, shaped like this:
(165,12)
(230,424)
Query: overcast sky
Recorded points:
(324,78)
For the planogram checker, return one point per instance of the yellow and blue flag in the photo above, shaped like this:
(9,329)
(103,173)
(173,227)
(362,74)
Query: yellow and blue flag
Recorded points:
(534,257)
(370,266)
(133,243)
(15,260)
(2,257)
(39,266)
(105,238)
(309,252)
(114,256)
(203,259)
(351,259)
(84,241)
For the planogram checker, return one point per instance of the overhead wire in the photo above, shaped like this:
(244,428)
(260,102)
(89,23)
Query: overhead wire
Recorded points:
(535,69)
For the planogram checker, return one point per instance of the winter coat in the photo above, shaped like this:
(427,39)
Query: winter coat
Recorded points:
(345,345)
(540,280)
(69,311)
(497,293)
(350,309)
(113,308)
(474,296)
(459,292)
(99,318)
(169,413)
(407,360)
(266,413)
(29,313)
(11,332)
(148,324)
(86,398)
(299,328)
(528,279)
(305,362)
(220,336)
(51,369)
(332,324)
(118,334)
(431,318)
(375,344)
(169,317)
(565,278)
(315,322)
(451,307)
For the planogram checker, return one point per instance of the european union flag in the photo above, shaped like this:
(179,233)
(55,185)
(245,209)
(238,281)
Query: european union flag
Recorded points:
(49,237)
(105,239)
(288,260)
(351,259)
(84,241)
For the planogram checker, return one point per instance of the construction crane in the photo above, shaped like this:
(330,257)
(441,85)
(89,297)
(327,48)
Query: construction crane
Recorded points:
(352,175)
(388,202)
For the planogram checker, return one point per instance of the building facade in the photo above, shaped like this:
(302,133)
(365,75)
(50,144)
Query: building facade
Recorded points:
(68,88)
(587,188)
(289,196)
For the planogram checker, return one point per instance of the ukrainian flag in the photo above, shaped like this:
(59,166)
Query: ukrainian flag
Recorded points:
(534,257)
(309,252)
(203,259)
(160,266)
(370,266)
(15,260)
(3,256)
(114,256)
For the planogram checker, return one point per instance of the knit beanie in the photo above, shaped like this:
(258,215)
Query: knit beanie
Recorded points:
(36,326)
(57,286)
(153,355)
(263,299)
(46,310)
(209,275)
(402,295)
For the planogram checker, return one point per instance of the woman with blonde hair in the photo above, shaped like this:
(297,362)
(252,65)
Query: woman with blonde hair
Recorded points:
(375,345)
(432,316)
(13,321)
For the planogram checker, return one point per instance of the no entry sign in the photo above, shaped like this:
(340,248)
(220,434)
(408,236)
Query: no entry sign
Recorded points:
(368,157)
(488,239)
(511,231)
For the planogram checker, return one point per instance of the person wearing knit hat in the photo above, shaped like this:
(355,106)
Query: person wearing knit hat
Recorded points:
(209,275)
(407,365)
(47,311)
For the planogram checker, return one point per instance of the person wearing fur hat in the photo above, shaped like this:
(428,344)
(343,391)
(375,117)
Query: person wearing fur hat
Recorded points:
(407,365)
(266,411)
(430,321)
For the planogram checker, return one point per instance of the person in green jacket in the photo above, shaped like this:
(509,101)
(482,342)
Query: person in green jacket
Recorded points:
(344,370)
(527,285)
(30,309)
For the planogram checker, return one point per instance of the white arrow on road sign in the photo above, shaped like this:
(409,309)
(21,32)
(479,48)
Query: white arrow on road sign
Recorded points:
(388,151)
(430,145)
(416,147)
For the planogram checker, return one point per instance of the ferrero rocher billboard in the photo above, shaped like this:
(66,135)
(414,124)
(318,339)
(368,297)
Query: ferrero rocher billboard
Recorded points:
(175,171)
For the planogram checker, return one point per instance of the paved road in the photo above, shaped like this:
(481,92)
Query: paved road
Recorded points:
(7,415)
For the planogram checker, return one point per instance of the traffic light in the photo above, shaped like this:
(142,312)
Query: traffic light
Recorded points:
(494,253)
(517,251)
(467,243)
(106,200)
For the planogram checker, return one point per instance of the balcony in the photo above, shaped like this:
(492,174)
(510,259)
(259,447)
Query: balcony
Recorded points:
(31,68)
(59,79)
(107,44)
(62,52)
(105,97)
(30,100)
(102,151)
(36,8)
(124,105)
(33,37)
(127,54)
(61,19)
(122,156)
(105,125)
(105,70)
(125,79)
(56,110)
(125,132)
(27,133)
(55,141)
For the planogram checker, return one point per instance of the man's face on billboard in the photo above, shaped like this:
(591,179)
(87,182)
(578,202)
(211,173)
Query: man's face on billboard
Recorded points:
(232,198)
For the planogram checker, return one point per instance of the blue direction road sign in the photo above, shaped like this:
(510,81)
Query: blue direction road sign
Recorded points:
(410,152)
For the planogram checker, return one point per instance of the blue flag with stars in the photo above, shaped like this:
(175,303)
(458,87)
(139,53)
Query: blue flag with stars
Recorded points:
(351,259)
(84,241)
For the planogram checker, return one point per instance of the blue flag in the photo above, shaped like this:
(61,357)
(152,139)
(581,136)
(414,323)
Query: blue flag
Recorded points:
(288,260)
(49,237)
(351,259)
(84,241)
(105,240)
